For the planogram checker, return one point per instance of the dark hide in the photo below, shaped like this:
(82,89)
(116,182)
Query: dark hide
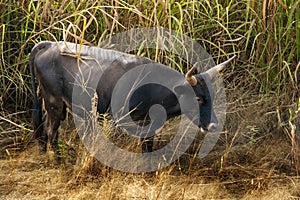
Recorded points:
(56,66)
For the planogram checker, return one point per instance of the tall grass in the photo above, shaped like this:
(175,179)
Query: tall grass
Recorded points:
(264,34)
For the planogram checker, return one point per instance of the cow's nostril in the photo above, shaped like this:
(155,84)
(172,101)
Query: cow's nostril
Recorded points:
(212,127)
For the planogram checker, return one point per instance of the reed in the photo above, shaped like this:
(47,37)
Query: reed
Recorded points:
(264,34)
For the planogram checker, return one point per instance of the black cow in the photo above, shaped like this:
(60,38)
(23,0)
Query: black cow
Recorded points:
(56,67)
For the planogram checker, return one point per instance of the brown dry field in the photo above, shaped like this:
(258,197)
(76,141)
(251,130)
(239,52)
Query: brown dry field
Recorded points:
(260,171)
(252,160)
(257,155)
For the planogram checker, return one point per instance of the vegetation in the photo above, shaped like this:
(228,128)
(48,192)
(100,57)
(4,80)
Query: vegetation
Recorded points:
(263,84)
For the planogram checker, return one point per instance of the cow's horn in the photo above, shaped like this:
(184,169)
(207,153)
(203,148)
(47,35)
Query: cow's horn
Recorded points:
(213,71)
(190,78)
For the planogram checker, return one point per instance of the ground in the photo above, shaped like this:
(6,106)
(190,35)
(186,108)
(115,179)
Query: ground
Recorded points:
(258,169)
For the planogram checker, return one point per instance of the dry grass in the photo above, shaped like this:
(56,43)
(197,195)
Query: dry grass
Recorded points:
(251,163)
(32,176)
(253,159)
(257,156)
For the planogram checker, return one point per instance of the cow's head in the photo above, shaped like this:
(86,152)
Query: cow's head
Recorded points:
(202,86)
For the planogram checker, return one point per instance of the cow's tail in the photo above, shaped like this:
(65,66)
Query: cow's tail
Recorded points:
(37,114)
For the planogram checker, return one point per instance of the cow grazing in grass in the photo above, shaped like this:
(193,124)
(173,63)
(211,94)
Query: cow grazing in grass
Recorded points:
(55,66)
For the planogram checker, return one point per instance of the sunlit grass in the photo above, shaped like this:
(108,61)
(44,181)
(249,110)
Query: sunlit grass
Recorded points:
(264,43)
(265,36)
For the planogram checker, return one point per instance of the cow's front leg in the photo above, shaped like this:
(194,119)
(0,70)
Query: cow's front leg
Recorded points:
(55,112)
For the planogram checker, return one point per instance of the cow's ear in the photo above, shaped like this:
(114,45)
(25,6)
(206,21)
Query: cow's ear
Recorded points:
(180,89)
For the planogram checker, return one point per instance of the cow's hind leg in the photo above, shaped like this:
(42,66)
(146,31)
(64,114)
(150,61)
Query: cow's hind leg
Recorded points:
(42,138)
(55,112)
(38,123)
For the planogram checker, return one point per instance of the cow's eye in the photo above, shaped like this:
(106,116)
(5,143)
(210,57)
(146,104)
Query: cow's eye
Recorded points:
(200,100)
